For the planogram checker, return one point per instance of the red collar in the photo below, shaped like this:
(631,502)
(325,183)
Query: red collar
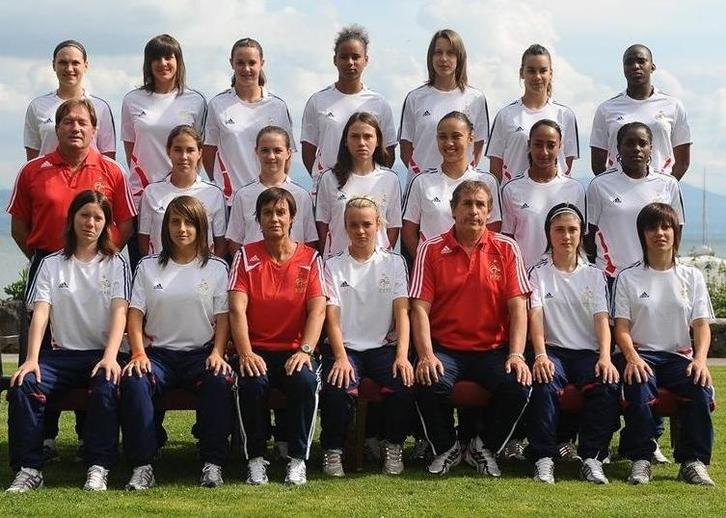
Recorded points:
(453,244)
(93,158)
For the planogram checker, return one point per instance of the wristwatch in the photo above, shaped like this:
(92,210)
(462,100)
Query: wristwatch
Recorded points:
(307,349)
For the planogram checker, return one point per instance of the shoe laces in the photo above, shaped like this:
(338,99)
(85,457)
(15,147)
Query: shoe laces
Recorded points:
(296,468)
(545,468)
(594,467)
(25,479)
(97,475)
(641,468)
(257,468)
(212,470)
(141,476)
(393,452)
(332,456)
(698,469)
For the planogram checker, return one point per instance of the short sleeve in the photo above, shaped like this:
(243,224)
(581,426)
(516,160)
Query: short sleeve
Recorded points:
(31,132)
(400,282)
(535,299)
(388,127)
(331,287)
(593,203)
(20,204)
(393,208)
(701,301)
(681,132)
(495,211)
(121,282)
(211,129)
(236,224)
(41,290)
(516,274)
(239,279)
(571,144)
(145,214)
(286,122)
(310,231)
(309,131)
(138,290)
(677,202)
(106,134)
(123,202)
(509,215)
(600,292)
(315,286)
(219,216)
(599,133)
(422,281)
(128,132)
(220,298)
(497,138)
(407,131)
(200,113)
(412,205)
(621,299)
(480,118)
(325,197)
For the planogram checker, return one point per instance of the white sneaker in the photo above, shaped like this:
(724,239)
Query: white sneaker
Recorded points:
(441,464)
(392,458)
(27,479)
(544,470)
(211,475)
(481,459)
(591,471)
(514,450)
(640,473)
(333,463)
(296,472)
(96,479)
(142,478)
(695,472)
(659,457)
(257,471)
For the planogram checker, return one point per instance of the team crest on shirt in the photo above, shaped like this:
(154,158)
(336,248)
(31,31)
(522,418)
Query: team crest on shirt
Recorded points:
(683,293)
(588,298)
(660,116)
(302,280)
(203,288)
(495,271)
(104,285)
(187,116)
(98,186)
(384,284)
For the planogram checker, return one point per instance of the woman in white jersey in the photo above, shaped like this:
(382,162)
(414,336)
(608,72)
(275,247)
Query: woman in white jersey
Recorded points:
(447,89)
(426,211)
(642,102)
(327,111)
(615,198)
(70,63)
(657,302)
(359,170)
(178,330)
(507,148)
(368,336)
(527,199)
(150,112)
(235,117)
(83,292)
(273,150)
(570,335)
(184,147)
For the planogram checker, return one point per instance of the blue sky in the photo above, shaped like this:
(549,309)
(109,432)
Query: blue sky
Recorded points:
(586,38)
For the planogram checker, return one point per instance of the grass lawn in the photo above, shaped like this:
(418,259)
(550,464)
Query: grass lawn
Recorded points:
(462,493)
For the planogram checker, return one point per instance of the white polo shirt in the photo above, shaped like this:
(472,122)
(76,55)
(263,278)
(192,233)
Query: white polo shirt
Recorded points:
(525,204)
(180,301)
(613,203)
(662,113)
(661,305)
(381,184)
(157,197)
(232,127)
(39,130)
(80,295)
(326,114)
(364,292)
(569,302)
(424,107)
(242,227)
(510,135)
(428,197)
(147,118)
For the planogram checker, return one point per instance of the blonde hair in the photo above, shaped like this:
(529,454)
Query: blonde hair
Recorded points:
(363,201)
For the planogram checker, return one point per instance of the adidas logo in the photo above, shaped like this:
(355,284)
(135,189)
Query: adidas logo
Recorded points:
(620,118)
(548,295)
(63,284)
(519,128)
(644,295)
(229,121)
(341,196)
(141,113)
(446,250)
(617,200)
(158,286)
(436,199)
(254,259)
(344,284)
(525,206)
(48,121)
(330,115)
(426,113)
